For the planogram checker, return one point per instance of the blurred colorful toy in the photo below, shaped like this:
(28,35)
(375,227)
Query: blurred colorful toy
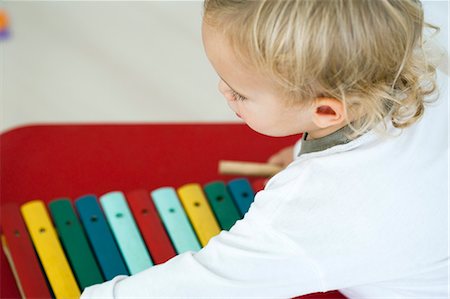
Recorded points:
(4,30)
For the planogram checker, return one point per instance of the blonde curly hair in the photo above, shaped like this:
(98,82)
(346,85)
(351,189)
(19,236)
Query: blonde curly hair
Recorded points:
(367,53)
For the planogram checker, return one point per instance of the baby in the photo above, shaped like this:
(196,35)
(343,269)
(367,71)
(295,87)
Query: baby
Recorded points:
(363,206)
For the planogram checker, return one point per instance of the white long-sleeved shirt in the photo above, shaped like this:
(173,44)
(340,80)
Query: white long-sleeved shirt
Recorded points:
(368,217)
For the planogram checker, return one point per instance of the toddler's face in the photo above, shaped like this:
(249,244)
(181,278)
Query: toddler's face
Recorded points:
(252,96)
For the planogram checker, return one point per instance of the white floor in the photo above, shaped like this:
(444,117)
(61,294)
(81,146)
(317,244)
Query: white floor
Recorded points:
(116,62)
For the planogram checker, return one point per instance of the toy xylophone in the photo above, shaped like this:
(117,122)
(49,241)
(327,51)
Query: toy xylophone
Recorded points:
(59,249)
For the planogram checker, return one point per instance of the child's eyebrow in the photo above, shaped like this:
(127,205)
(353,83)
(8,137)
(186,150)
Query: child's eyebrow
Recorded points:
(233,88)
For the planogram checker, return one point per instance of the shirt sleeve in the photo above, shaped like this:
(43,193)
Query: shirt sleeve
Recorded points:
(250,260)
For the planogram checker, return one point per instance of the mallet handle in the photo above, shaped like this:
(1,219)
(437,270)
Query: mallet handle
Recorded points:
(248,168)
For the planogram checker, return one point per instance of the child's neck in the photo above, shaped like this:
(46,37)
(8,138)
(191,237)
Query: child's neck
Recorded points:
(315,134)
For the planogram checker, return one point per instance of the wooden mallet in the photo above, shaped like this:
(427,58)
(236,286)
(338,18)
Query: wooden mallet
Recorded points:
(248,168)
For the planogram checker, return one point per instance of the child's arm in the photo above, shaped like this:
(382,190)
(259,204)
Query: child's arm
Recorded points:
(283,157)
(275,164)
(251,260)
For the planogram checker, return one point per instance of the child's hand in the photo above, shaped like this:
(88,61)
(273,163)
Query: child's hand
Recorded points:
(283,158)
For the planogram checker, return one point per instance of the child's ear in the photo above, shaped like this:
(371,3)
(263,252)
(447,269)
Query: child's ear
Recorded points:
(328,112)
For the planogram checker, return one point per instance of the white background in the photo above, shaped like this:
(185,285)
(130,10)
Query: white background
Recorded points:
(99,61)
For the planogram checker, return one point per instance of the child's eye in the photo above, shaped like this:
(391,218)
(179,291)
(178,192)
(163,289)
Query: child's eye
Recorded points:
(237,96)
